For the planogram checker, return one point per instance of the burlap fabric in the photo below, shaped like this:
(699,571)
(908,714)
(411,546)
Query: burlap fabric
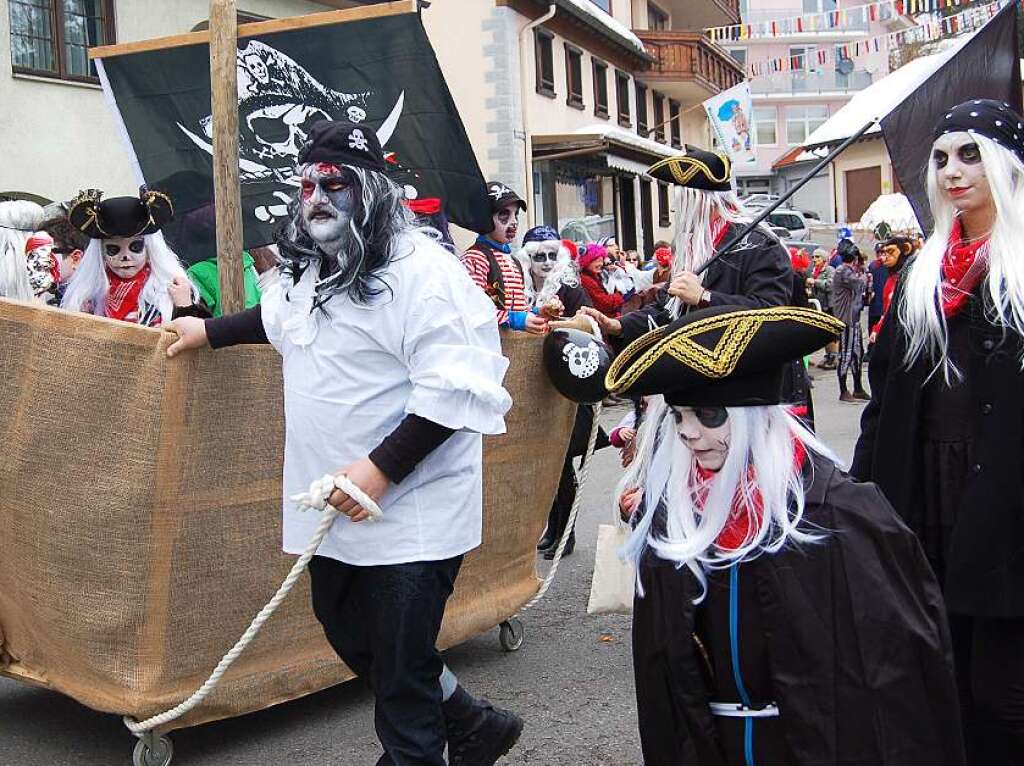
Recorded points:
(140,517)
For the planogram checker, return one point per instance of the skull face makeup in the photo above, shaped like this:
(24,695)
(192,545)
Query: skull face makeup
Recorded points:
(327,201)
(543,260)
(960,172)
(125,256)
(506,224)
(706,431)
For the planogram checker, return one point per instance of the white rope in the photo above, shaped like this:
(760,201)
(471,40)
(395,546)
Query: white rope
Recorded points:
(314,499)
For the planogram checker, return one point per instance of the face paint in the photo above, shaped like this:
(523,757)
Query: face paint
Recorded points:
(960,172)
(125,256)
(506,224)
(542,262)
(327,198)
(706,431)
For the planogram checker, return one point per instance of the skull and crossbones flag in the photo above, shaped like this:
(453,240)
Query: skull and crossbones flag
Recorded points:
(380,72)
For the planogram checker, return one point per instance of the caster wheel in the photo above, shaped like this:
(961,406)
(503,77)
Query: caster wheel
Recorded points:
(153,751)
(512,635)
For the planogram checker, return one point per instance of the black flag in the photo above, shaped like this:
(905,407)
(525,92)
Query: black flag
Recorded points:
(987,66)
(380,71)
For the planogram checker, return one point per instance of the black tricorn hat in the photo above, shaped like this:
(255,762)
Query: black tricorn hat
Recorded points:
(120,216)
(337,142)
(724,356)
(695,168)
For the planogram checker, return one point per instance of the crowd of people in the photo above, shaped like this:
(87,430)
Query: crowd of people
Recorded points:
(785,611)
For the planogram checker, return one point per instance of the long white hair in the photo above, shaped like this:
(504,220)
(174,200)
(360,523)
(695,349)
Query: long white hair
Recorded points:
(760,461)
(88,288)
(564,273)
(19,219)
(920,310)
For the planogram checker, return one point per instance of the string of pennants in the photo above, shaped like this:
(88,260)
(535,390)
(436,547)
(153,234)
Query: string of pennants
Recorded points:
(965,21)
(883,10)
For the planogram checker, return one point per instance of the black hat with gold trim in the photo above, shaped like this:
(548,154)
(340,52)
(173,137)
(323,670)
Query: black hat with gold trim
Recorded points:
(724,356)
(696,168)
(120,216)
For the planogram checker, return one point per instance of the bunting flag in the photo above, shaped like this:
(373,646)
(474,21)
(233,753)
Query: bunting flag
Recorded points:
(968,20)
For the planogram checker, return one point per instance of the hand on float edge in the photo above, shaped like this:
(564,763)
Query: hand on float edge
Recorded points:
(536,325)
(687,287)
(609,326)
(191,333)
(369,478)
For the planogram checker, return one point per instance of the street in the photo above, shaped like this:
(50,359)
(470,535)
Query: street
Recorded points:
(571,681)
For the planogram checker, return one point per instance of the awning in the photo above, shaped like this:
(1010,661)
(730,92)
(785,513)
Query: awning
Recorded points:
(618,148)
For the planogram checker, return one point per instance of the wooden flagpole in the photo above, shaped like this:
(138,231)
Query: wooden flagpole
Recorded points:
(227,195)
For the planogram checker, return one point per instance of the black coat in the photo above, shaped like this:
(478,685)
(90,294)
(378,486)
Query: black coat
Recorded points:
(985,564)
(757,273)
(860,659)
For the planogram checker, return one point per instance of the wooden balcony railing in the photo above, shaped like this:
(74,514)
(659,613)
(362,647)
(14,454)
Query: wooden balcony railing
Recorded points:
(690,57)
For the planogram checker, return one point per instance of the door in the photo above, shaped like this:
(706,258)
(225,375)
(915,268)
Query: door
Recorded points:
(647,219)
(627,213)
(862,188)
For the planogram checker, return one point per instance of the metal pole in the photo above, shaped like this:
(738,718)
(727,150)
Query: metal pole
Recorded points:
(227,195)
(771,208)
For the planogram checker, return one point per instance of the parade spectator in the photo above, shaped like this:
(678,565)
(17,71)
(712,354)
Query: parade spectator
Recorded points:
(941,436)
(783,614)
(895,252)
(819,283)
(879,276)
(662,266)
(493,268)
(19,219)
(591,267)
(849,284)
(43,268)
(68,245)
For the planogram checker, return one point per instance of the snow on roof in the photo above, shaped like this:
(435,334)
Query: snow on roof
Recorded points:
(623,136)
(612,26)
(893,209)
(880,98)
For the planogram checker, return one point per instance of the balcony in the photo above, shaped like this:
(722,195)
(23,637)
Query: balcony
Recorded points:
(687,66)
(695,15)
(809,83)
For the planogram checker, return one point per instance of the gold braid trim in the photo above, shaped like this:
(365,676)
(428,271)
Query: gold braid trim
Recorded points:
(694,166)
(739,329)
(91,199)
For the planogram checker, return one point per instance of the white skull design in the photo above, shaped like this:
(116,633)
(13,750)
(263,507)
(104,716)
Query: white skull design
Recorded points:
(355,114)
(583,361)
(280,130)
(356,140)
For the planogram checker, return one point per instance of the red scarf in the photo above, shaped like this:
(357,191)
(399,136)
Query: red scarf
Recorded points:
(818,268)
(123,296)
(718,227)
(738,528)
(964,265)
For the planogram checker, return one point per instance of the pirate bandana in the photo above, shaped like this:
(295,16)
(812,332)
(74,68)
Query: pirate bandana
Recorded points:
(985,117)
(343,143)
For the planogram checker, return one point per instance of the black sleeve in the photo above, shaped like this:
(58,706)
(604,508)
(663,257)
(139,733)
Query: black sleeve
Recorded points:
(766,281)
(878,375)
(405,447)
(573,298)
(234,329)
(639,322)
(197,309)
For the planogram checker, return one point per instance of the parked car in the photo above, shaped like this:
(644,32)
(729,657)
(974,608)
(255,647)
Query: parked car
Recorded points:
(781,232)
(590,228)
(793,220)
(759,200)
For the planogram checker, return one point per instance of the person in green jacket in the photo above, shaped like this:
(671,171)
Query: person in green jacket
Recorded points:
(204,276)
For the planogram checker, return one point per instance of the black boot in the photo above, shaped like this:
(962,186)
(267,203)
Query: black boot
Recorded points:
(548,538)
(858,389)
(570,545)
(844,392)
(478,733)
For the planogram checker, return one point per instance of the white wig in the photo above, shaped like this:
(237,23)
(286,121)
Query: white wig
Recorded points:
(565,272)
(19,219)
(760,461)
(920,310)
(88,288)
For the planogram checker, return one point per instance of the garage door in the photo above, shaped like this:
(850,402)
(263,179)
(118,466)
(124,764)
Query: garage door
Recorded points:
(862,188)
(814,197)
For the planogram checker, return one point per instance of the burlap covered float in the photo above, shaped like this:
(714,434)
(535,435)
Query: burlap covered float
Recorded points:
(140,504)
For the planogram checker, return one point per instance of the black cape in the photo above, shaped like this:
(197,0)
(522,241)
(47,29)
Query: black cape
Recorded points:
(861,663)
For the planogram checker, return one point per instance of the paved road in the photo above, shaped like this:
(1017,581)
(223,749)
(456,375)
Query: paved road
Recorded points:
(571,681)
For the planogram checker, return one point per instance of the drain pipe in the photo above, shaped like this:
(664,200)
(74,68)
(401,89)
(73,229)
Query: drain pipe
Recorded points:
(531,213)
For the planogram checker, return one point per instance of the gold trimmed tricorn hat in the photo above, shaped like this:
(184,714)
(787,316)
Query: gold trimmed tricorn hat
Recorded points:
(120,216)
(696,168)
(724,356)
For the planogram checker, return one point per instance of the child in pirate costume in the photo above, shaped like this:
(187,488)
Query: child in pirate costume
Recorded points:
(943,434)
(784,615)
(128,272)
(392,371)
(493,268)
(755,274)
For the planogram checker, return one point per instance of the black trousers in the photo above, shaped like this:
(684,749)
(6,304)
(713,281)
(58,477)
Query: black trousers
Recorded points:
(383,622)
(565,496)
(989,654)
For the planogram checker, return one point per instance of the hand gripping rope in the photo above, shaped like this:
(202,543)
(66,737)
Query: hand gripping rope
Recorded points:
(314,499)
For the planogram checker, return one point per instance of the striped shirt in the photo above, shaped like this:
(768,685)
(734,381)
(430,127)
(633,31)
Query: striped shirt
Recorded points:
(478,266)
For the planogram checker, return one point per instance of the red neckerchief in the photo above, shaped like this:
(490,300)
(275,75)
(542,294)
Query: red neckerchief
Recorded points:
(718,227)
(818,268)
(123,296)
(964,265)
(741,519)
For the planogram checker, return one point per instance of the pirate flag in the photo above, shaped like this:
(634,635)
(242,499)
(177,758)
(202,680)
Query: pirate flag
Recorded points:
(380,73)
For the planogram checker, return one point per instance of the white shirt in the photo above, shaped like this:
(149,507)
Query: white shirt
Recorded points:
(430,347)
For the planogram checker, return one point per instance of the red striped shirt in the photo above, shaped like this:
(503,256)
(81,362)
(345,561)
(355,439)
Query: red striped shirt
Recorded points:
(477,265)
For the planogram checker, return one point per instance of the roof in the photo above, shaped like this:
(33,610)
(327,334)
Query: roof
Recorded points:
(880,98)
(604,24)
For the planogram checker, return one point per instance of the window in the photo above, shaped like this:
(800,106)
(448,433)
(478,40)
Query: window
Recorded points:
(819,6)
(641,108)
(545,62)
(675,125)
(622,97)
(663,212)
(600,89)
(574,76)
(765,118)
(659,117)
(657,19)
(52,39)
(801,121)
(604,5)
(739,54)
